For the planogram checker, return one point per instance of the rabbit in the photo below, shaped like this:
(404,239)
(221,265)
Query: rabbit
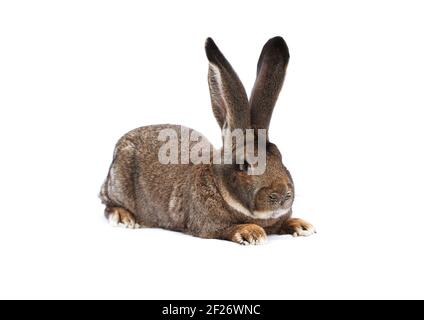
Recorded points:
(209,200)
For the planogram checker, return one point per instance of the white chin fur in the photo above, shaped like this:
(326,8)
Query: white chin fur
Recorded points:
(271,213)
(237,206)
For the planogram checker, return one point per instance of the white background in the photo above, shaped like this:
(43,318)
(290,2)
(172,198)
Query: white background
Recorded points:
(76,75)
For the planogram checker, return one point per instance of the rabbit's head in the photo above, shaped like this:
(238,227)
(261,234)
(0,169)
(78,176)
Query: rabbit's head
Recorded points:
(270,193)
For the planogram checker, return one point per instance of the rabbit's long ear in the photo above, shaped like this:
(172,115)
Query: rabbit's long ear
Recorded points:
(229,100)
(271,70)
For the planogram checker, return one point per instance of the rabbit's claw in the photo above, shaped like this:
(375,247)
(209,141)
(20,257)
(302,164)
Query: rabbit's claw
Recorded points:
(298,227)
(248,234)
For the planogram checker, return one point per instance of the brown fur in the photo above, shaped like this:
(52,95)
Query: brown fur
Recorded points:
(192,198)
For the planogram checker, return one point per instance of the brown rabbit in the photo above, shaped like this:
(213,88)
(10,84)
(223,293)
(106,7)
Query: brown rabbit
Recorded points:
(209,200)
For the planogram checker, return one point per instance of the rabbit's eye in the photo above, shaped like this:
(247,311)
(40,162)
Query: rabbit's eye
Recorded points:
(273,196)
(288,195)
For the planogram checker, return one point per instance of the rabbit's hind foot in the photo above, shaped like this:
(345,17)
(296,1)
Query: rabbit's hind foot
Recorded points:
(119,217)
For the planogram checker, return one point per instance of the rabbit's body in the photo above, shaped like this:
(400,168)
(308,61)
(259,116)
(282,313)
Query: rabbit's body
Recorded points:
(158,195)
(191,199)
(211,200)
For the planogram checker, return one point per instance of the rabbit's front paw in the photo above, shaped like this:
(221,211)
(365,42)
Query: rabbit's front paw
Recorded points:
(298,227)
(247,234)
